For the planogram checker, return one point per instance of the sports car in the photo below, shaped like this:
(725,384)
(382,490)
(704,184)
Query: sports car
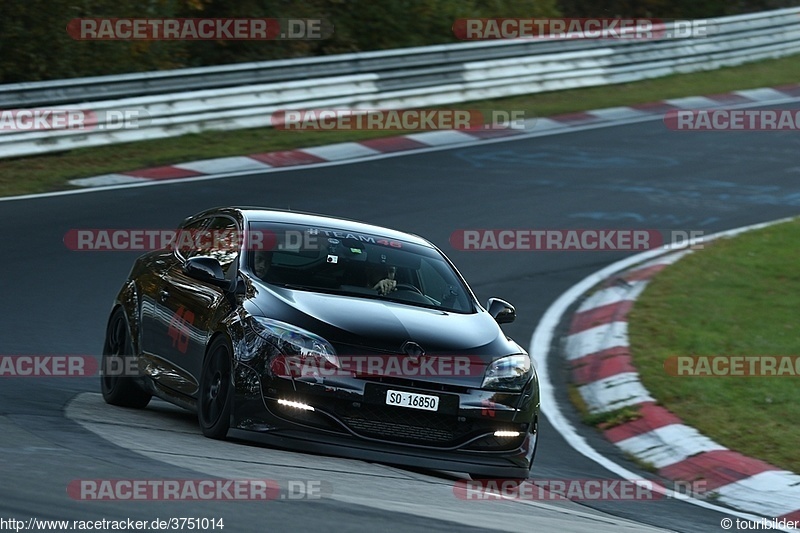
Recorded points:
(324,335)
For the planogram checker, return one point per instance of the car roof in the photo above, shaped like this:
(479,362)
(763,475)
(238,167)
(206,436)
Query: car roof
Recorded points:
(261,214)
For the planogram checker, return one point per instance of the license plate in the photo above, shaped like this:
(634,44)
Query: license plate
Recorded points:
(412,400)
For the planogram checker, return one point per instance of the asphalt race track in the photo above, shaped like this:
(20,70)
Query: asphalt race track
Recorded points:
(56,301)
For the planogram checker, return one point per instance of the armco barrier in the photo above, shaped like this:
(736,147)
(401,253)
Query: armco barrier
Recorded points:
(245,95)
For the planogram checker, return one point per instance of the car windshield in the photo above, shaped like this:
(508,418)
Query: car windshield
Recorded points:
(356,264)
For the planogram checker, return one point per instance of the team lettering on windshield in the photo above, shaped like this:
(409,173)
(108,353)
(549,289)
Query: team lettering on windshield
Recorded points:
(355,236)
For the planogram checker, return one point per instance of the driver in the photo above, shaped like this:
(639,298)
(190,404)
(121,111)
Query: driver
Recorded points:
(381,278)
(261,263)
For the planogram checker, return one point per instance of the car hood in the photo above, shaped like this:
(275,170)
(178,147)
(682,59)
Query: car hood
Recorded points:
(359,324)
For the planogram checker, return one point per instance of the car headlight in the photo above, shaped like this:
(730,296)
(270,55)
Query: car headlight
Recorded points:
(295,343)
(508,373)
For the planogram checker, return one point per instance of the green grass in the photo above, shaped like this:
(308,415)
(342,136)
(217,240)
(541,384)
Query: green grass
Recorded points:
(739,296)
(51,172)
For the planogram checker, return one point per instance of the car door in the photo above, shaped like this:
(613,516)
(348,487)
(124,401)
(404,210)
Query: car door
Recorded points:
(154,293)
(188,308)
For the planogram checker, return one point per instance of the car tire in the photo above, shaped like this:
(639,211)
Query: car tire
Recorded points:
(215,397)
(122,391)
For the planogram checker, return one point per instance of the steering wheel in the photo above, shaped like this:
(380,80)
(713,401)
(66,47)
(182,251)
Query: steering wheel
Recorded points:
(408,287)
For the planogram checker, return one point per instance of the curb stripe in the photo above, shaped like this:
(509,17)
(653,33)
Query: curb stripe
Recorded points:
(600,315)
(224,164)
(163,173)
(422,140)
(791,90)
(601,366)
(614,392)
(717,468)
(597,339)
(287,158)
(668,445)
(729,98)
(644,273)
(393,144)
(575,118)
(339,151)
(775,492)
(614,294)
(494,133)
(655,108)
(652,417)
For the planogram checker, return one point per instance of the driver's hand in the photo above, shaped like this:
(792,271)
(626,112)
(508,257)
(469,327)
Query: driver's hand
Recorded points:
(385,286)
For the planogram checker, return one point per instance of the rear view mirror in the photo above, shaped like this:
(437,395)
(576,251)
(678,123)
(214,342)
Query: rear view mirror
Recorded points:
(502,311)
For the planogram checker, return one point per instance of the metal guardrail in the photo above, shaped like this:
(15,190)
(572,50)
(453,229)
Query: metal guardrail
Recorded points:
(245,95)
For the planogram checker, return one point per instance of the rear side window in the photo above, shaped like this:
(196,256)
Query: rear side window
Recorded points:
(216,237)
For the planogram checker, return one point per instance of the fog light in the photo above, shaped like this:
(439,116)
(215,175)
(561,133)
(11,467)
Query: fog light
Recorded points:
(296,405)
(509,434)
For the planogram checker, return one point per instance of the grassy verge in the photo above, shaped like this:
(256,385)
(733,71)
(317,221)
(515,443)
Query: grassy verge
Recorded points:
(737,297)
(51,172)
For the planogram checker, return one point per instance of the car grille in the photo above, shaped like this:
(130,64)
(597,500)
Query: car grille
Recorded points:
(397,431)
(403,425)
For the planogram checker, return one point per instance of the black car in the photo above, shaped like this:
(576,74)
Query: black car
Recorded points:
(324,335)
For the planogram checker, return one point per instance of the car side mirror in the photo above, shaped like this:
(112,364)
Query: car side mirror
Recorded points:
(208,269)
(502,311)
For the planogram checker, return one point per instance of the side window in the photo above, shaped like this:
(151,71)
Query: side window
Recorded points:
(222,242)
(186,239)
(216,237)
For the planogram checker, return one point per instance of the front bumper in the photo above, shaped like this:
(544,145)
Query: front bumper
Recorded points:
(350,418)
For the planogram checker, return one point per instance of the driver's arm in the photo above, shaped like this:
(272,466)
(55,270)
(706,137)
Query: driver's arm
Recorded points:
(385,286)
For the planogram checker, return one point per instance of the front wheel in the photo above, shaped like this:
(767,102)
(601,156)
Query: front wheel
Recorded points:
(119,389)
(215,401)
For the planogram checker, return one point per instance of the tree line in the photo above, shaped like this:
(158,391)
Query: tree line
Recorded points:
(35,45)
